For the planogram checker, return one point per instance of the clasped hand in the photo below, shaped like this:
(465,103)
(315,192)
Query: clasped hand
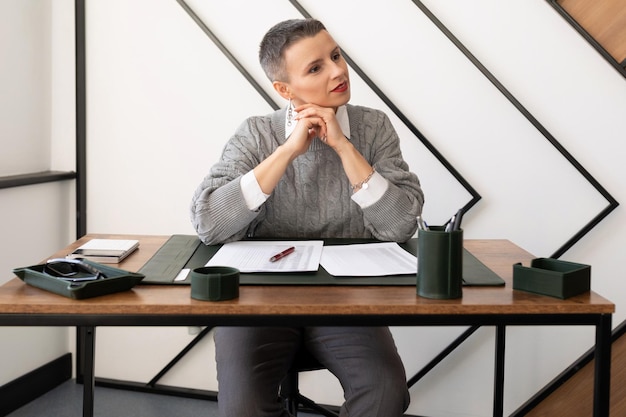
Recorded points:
(315,121)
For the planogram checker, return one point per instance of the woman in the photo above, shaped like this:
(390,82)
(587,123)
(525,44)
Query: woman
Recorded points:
(319,168)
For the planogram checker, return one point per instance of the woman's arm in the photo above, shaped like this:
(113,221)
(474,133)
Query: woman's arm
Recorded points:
(392,216)
(219,211)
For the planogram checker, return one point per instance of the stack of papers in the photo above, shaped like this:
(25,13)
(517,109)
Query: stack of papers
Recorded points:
(368,259)
(254,256)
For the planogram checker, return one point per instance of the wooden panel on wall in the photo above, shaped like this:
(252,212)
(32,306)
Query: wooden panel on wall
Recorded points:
(604,20)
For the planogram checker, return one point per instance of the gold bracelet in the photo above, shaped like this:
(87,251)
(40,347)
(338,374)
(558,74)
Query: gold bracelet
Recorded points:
(363,184)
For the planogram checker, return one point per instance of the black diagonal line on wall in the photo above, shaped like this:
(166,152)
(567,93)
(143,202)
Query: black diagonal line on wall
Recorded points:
(612,202)
(475,196)
(619,66)
(227,53)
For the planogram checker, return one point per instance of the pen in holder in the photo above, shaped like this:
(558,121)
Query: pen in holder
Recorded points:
(440,263)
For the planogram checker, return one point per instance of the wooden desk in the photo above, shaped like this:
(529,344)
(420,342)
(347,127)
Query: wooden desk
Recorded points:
(146,305)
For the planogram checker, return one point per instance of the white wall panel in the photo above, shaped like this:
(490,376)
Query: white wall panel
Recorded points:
(34,224)
(162,101)
(35,220)
(24,87)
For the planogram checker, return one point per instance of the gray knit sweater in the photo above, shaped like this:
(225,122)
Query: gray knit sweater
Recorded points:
(312,200)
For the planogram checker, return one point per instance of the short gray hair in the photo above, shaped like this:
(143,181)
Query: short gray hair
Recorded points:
(278,39)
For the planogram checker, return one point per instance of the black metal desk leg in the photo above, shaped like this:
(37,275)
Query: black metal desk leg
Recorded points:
(498,383)
(602,384)
(89,334)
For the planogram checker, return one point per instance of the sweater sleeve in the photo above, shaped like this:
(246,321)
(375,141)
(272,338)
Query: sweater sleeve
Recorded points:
(393,216)
(218,208)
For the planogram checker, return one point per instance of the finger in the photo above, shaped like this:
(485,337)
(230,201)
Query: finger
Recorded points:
(317,132)
(306,106)
(314,123)
(309,110)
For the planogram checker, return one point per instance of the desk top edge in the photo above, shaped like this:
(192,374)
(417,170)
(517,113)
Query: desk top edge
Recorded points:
(391,300)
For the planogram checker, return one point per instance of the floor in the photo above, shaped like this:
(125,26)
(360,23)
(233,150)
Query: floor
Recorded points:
(66,401)
(580,387)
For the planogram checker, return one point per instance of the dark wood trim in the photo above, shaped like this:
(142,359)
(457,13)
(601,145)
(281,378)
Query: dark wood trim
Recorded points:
(21,180)
(34,384)
(81,119)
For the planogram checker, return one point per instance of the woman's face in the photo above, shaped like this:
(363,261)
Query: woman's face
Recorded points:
(317,72)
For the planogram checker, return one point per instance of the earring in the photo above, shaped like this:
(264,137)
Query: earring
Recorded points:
(289,114)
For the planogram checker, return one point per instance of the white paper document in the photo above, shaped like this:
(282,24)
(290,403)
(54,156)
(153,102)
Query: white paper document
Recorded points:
(368,260)
(254,256)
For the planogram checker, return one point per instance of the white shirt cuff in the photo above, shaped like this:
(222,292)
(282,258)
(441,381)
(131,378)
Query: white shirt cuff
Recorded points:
(376,187)
(252,192)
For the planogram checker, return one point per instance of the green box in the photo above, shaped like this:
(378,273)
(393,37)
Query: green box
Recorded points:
(552,277)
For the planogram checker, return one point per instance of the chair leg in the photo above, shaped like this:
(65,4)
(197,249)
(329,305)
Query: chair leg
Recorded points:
(289,392)
(311,405)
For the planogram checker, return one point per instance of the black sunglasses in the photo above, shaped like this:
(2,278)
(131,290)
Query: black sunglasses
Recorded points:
(72,270)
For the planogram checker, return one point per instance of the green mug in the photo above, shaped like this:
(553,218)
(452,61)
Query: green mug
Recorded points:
(214,283)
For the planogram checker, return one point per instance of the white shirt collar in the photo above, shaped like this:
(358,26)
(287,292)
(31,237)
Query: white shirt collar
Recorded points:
(342,119)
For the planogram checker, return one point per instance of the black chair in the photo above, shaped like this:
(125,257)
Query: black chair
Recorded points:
(289,391)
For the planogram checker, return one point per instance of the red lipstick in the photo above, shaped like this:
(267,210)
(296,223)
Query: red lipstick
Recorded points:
(341,88)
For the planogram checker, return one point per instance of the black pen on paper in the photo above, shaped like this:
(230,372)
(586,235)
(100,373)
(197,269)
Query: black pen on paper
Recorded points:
(282,254)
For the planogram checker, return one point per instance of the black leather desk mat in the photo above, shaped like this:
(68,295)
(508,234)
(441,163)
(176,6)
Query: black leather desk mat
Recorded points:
(186,251)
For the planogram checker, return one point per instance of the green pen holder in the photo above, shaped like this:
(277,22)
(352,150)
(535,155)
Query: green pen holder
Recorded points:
(440,263)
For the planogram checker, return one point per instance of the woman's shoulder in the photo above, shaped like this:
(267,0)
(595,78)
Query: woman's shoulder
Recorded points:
(356,110)
(257,120)
(262,124)
(362,115)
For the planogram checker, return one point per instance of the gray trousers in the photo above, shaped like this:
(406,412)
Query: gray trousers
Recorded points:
(252,361)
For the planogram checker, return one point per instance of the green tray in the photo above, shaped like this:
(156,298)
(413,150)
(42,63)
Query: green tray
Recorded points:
(552,277)
(116,280)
